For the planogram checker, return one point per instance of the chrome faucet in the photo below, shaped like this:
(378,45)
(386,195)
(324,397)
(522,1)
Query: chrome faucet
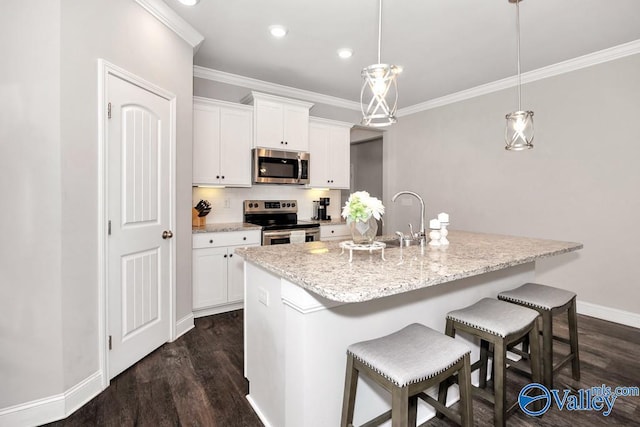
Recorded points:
(422,234)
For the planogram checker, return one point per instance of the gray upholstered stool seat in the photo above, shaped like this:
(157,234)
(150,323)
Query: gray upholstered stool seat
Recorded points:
(496,317)
(499,324)
(537,296)
(406,363)
(549,301)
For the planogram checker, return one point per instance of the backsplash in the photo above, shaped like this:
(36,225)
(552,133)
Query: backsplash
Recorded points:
(234,198)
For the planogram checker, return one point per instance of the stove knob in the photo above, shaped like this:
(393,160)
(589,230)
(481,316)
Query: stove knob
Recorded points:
(288,205)
(293,205)
(250,205)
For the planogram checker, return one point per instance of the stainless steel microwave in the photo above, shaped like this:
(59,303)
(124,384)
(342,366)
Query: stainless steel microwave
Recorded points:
(280,167)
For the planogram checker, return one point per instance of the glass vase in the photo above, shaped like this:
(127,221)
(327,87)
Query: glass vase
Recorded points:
(364,232)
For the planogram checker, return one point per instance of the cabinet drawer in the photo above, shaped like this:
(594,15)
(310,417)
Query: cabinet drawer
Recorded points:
(229,238)
(334,231)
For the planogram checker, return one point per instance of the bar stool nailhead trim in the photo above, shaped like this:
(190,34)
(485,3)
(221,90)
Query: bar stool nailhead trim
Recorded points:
(406,363)
(548,301)
(501,324)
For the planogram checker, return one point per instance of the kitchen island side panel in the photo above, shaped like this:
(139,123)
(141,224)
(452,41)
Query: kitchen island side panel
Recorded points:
(264,331)
(310,356)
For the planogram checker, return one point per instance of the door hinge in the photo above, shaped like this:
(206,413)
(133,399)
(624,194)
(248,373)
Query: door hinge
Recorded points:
(108,110)
(109,228)
(110,342)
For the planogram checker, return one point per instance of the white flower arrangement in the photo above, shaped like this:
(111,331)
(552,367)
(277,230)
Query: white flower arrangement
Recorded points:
(361,206)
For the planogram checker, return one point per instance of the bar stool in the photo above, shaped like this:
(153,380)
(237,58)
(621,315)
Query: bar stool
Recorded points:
(500,324)
(406,363)
(549,301)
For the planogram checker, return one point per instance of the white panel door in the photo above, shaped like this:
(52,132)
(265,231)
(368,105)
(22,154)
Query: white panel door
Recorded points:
(139,207)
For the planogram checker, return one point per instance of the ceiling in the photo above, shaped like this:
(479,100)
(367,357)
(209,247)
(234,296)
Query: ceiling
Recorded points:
(444,46)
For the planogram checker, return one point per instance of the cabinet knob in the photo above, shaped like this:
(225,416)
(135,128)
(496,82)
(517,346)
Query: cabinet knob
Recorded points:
(333,231)
(281,142)
(230,255)
(286,143)
(222,176)
(244,238)
(211,241)
(217,176)
(225,255)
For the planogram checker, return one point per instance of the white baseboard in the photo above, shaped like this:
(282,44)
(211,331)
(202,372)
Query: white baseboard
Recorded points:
(53,408)
(218,309)
(608,313)
(258,412)
(184,325)
(82,393)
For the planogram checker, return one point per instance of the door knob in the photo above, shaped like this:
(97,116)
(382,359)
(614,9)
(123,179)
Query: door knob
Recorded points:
(167,234)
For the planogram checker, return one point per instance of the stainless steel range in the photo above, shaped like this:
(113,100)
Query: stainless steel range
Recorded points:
(279,218)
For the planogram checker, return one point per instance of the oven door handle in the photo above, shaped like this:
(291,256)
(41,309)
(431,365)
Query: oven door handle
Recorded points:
(283,233)
(299,168)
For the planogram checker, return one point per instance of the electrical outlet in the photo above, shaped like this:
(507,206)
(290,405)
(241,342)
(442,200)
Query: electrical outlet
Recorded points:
(263,296)
(227,203)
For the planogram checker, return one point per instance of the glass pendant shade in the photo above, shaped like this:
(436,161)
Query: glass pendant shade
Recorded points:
(519,131)
(518,134)
(379,95)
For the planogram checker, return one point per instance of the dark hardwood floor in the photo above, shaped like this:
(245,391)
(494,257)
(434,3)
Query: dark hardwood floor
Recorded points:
(197,381)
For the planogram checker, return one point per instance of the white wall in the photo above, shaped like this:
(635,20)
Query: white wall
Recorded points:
(123,33)
(30,288)
(49,166)
(580,182)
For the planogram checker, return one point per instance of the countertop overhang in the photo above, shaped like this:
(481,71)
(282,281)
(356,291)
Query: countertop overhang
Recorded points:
(322,268)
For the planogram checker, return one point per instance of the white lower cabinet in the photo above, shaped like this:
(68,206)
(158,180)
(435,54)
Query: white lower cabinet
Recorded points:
(335,232)
(218,274)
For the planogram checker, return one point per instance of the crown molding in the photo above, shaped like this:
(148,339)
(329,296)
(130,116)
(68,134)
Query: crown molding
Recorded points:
(281,90)
(568,66)
(163,13)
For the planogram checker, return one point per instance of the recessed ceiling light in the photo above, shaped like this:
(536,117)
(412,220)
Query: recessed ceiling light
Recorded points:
(189,2)
(278,31)
(345,53)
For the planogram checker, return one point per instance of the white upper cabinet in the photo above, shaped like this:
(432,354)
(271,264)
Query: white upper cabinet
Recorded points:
(222,138)
(330,152)
(279,123)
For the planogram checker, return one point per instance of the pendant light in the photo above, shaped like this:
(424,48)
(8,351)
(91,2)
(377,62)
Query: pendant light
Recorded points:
(379,95)
(519,131)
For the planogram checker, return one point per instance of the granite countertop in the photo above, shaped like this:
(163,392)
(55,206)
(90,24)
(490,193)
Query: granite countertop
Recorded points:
(321,268)
(224,227)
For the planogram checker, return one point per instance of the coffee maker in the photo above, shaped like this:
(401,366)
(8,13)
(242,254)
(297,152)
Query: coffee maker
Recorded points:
(322,208)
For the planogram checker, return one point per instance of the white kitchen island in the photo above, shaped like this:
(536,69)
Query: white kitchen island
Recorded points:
(305,303)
